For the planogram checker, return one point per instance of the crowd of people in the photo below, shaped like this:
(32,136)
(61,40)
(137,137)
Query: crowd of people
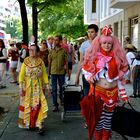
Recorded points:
(105,66)
(11,60)
(32,67)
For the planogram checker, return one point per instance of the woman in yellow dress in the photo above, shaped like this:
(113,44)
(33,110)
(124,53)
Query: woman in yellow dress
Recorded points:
(33,81)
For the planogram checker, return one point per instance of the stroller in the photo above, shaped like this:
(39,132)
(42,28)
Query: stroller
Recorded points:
(72,95)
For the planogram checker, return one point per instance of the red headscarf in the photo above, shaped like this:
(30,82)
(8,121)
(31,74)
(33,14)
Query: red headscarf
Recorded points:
(107,30)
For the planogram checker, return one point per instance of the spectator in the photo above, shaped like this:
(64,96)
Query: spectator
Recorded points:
(136,76)
(129,50)
(13,54)
(71,59)
(43,53)
(23,53)
(76,53)
(3,60)
(57,59)
(127,40)
(92,32)
(65,45)
(50,41)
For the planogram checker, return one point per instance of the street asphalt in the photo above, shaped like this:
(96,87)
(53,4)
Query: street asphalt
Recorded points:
(55,129)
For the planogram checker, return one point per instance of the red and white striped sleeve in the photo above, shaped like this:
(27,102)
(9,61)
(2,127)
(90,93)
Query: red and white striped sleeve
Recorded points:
(122,91)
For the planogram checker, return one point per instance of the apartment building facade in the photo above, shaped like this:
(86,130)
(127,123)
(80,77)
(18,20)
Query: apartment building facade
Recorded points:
(123,15)
(8,10)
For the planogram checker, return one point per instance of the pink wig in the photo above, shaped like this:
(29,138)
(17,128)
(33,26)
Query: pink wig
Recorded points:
(118,52)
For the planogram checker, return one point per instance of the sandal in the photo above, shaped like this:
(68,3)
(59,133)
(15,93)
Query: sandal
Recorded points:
(55,109)
(40,131)
(13,82)
(85,126)
(133,96)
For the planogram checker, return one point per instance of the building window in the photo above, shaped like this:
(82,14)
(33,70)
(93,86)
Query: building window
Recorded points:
(93,6)
(116,29)
(134,31)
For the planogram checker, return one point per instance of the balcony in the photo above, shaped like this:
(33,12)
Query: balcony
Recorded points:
(123,4)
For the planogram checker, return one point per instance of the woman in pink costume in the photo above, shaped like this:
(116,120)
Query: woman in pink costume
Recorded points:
(104,66)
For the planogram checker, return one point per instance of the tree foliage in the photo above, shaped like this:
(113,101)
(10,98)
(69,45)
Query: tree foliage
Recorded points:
(14,27)
(60,17)
(37,7)
(11,27)
(65,19)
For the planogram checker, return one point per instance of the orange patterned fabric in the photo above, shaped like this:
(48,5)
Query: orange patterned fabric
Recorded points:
(109,97)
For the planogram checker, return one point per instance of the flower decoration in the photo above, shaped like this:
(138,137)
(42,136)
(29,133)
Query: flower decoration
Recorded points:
(107,30)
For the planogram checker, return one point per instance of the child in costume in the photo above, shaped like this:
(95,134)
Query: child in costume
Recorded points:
(104,66)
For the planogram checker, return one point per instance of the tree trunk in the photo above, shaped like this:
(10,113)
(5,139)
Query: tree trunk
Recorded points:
(35,21)
(24,20)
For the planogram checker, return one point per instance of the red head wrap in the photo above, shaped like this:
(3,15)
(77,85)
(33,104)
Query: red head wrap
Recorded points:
(107,30)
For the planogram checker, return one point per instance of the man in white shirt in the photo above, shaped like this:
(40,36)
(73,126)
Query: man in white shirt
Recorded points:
(92,32)
(130,57)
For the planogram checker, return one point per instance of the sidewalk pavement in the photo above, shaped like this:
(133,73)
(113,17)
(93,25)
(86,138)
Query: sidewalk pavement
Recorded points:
(71,129)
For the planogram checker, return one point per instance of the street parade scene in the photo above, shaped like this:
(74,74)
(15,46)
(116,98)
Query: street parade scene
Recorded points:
(70,70)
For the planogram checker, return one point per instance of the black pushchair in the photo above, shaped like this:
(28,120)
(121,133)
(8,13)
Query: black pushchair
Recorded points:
(72,96)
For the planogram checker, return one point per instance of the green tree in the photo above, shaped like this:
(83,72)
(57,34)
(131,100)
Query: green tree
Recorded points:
(14,27)
(11,27)
(66,19)
(37,7)
(56,16)
(19,29)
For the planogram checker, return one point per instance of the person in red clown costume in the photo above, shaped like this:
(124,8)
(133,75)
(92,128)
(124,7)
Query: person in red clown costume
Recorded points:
(105,66)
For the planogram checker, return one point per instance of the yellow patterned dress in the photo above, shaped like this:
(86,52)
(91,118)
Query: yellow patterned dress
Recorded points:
(33,105)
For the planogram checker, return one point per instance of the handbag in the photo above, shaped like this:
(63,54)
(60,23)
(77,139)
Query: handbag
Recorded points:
(126,121)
